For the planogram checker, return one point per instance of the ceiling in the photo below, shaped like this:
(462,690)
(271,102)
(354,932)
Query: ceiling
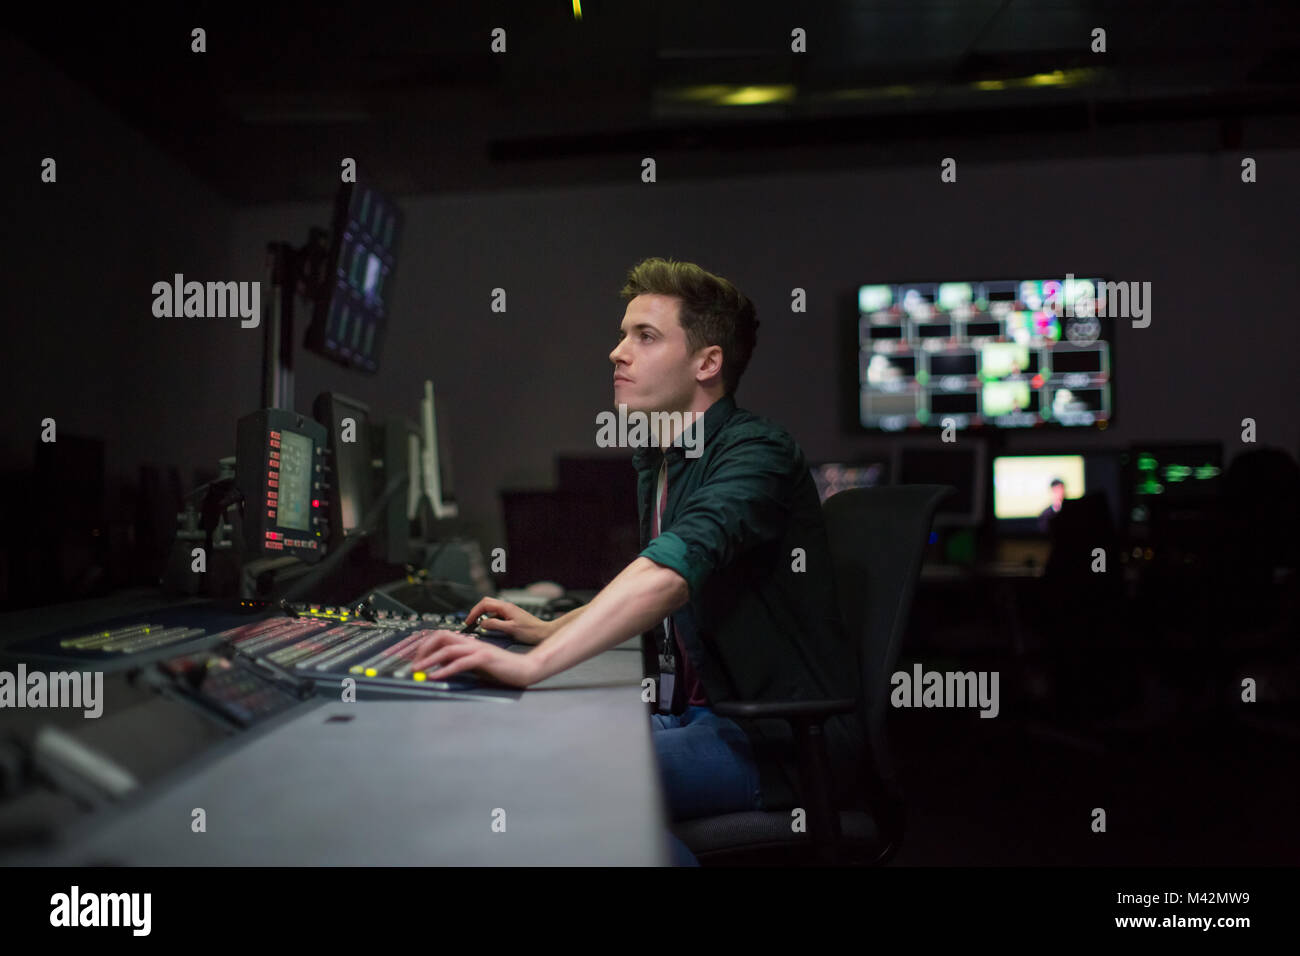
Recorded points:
(423,104)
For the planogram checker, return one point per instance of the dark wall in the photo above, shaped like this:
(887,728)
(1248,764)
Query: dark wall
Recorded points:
(527,384)
(81,256)
(521,387)
(82,346)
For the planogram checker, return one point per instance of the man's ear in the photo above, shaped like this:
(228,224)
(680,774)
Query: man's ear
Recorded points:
(711,360)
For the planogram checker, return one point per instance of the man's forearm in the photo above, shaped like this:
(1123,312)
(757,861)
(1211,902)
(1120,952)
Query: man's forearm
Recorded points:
(641,596)
(568,618)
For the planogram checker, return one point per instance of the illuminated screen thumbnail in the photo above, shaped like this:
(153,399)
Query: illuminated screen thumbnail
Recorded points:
(1022,485)
(1001,360)
(1002,398)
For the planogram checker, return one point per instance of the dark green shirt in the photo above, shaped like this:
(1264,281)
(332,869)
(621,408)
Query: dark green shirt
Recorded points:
(743,525)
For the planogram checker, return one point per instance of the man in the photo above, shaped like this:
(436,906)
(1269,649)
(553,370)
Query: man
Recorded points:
(734,575)
(1048,514)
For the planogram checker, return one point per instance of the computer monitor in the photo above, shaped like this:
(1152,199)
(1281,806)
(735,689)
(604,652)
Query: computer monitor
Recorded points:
(1025,495)
(420,452)
(396,448)
(1022,487)
(833,477)
(278,468)
(352,312)
(1172,474)
(346,421)
(435,463)
(1010,353)
(919,461)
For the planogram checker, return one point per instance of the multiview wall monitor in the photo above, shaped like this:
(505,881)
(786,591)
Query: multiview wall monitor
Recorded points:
(1007,353)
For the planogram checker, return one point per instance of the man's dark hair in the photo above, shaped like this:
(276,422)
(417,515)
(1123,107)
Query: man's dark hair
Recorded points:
(713,311)
(1055,482)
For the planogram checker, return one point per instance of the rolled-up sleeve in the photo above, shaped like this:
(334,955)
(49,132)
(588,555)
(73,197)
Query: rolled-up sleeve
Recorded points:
(744,501)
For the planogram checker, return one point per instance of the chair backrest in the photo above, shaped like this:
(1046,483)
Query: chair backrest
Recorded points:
(1262,504)
(877,541)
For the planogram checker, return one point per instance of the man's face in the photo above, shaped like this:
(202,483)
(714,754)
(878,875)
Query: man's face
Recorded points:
(653,370)
(1058,495)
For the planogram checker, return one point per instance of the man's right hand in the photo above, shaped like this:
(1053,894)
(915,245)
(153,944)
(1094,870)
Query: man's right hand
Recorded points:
(511,620)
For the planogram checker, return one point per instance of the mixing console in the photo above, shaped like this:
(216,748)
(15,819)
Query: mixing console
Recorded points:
(249,670)
(330,644)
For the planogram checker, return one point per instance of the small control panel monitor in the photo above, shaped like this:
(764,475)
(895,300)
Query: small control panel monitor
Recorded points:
(280,469)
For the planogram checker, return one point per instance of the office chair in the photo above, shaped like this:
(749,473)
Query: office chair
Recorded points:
(1261,515)
(877,542)
(1082,624)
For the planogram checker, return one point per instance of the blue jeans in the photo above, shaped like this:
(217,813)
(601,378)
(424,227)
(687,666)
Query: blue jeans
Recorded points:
(707,766)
